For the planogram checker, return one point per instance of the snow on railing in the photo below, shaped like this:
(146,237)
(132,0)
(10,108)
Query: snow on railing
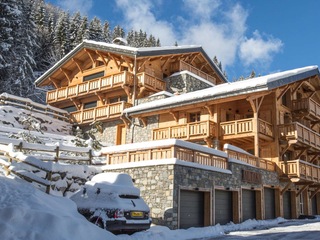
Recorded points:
(27,103)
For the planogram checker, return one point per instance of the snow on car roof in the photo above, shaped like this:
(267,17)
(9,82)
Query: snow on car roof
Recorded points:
(113,178)
(104,189)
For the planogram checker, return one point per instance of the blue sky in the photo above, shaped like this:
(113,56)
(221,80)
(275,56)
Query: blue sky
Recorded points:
(266,36)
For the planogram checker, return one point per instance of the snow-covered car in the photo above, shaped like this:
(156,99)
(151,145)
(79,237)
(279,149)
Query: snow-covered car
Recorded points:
(111,201)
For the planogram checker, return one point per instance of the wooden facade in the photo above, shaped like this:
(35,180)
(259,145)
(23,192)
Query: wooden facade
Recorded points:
(277,125)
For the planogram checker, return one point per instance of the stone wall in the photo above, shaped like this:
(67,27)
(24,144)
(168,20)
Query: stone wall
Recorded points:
(156,186)
(185,82)
(139,132)
(160,185)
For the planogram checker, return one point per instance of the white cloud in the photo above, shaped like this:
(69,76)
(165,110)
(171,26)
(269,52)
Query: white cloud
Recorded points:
(140,16)
(204,9)
(258,50)
(83,6)
(220,28)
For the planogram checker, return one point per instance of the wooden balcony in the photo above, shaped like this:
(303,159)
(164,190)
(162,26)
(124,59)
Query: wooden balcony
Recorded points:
(99,113)
(92,86)
(244,128)
(185,66)
(171,149)
(188,131)
(252,160)
(307,107)
(300,135)
(150,81)
(301,171)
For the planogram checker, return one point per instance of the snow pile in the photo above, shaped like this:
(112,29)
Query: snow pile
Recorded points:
(27,213)
(12,117)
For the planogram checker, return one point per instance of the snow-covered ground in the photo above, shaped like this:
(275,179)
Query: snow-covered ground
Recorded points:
(28,213)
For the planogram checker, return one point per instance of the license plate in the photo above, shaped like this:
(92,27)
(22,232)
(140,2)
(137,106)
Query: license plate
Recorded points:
(136,214)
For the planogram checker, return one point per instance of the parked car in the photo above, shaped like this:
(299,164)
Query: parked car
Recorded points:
(111,201)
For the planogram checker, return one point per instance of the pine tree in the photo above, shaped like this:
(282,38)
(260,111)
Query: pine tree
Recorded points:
(83,30)
(95,30)
(61,35)
(118,32)
(106,32)
(75,24)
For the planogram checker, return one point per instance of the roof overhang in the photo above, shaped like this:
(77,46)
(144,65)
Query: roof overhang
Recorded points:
(130,52)
(226,90)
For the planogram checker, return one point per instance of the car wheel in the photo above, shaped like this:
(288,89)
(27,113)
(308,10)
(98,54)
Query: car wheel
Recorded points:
(98,222)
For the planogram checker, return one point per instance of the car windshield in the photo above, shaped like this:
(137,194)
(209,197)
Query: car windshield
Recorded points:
(129,196)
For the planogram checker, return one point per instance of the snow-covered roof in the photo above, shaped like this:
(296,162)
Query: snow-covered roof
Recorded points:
(258,84)
(130,51)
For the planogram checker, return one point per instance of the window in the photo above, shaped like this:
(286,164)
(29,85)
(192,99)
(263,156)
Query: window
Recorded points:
(118,99)
(89,105)
(93,76)
(194,117)
(70,108)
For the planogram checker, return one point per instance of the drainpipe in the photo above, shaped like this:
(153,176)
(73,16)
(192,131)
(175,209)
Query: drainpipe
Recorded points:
(134,95)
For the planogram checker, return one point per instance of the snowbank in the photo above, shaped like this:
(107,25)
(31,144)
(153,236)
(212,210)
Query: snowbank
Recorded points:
(27,213)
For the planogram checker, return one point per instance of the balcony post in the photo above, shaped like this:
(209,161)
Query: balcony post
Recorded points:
(256,133)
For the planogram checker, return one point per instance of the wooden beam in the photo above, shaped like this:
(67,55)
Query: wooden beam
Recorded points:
(294,89)
(286,188)
(315,192)
(313,89)
(76,103)
(283,92)
(209,141)
(66,72)
(175,115)
(302,151)
(129,63)
(56,82)
(90,55)
(78,64)
(315,157)
(115,61)
(102,58)
(142,64)
(302,189)
(210,110)
(100,96)
(125,121)
(144,121)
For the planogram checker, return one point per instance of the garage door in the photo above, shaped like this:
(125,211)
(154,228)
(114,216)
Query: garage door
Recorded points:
(191,209)
(314,205)
(269,203)
(223,207)
(248,204)
(287,205)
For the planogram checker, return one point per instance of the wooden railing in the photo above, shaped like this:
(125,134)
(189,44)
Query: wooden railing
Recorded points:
(150,81)
(301,169)
(99,113)
(308,105)
(99,84)
(28,104)
(252,160)
(185,66)
(297,131)
(246,126)
(168,152)
(188,131)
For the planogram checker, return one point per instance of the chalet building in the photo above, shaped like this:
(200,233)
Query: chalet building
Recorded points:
(202,150)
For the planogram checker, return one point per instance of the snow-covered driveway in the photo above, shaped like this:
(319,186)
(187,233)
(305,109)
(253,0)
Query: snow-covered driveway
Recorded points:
(299,229)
